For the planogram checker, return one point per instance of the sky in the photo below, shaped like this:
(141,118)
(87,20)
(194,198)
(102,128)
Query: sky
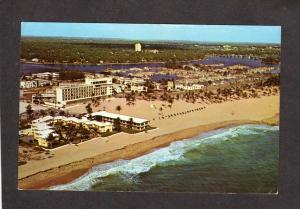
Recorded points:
(162,32)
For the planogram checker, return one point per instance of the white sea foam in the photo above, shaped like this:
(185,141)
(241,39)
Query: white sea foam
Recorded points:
(175,151)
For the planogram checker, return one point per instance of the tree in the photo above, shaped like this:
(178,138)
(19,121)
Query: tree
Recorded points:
(71,74)
(99,118)
(89,109)
(130,124)
(29,111)
(119,108)
(23,124)
(62,113)
(52,113)
(117,124)
(170,100)
(43,113)
(50,139)
(38,99)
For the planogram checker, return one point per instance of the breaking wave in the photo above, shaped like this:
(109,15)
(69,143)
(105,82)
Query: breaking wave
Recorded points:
(174,153)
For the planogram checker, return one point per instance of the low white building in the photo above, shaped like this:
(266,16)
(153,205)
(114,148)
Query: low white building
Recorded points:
(46,75)
(136,88)
(133,81)
(189,87)
(125,121)
(101,127)
(41,128)
(43,82)
(28,84)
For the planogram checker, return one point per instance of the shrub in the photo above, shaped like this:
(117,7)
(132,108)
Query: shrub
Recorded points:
(22,162)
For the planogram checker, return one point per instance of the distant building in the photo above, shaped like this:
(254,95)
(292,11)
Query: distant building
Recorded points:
(133,81)
(138,88)
(28,84)
(138,47)
(100,127)
(189,87)
(43,82)
(46,75)
(154,51)
(156,86)
(170,85)
(226,47)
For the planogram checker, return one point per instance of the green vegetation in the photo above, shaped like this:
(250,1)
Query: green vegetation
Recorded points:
(274,80)
(117,125)
(71,75)
(100,51)
(29,112)
(24,124)
(51,139)
(89,108)
(72,133)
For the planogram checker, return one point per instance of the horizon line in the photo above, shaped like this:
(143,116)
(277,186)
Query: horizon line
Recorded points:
(152,40)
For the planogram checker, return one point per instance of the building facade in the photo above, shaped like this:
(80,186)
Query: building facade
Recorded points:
(93,87)
(28,84)
(138,47)
(125,121)
(136,88)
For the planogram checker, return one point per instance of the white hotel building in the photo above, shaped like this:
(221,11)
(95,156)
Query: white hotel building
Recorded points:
(137,123)
(93,87)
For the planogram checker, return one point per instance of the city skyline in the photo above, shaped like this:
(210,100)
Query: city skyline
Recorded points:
(148,32)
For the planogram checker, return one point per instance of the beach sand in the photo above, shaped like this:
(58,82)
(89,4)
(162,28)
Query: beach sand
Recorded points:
(70,162)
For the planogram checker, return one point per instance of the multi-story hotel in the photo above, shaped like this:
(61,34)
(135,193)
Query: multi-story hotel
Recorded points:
(93,87)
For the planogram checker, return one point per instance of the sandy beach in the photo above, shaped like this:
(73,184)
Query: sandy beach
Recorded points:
(70,162)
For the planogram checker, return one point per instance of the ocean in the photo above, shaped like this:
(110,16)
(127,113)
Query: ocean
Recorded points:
(242,159)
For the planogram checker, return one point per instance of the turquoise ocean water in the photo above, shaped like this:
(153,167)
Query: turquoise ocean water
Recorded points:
(242,159)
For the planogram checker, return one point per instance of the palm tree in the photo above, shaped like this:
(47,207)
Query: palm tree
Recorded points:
(119,108)
(62,113)
(89,109)
(130,124)
(39,98)
(117,124)
(29,110)
(52,113)
(51,139)
(43,113)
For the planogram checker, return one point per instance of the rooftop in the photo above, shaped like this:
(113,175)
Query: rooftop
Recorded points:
(122,117)
(45,133)
(43,119)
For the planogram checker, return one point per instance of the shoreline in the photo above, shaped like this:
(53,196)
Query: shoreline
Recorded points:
(69,172)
